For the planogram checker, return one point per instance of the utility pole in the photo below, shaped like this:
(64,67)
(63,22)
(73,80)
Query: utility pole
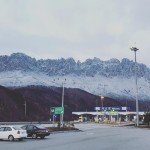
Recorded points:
(25,109)
(126,92)
(62,103)
(62,116)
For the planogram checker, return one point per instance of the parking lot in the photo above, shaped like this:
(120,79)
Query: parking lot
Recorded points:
(93,136)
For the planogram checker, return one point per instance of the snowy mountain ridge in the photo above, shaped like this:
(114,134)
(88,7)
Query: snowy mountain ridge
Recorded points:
(111,78)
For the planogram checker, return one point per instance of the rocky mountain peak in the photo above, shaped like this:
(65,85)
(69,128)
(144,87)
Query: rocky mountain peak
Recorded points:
(90,67)
(19,69)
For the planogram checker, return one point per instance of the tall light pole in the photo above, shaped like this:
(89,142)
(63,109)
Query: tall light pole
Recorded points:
(136,86)
(102,98)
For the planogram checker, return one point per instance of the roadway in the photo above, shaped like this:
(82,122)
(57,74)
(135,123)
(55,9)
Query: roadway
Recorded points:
(93,136)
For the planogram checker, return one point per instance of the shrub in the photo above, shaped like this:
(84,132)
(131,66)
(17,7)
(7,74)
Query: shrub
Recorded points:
(147,118)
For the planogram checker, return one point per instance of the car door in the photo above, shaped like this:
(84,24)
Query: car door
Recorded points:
(2,135)
(30,130)
(7,132)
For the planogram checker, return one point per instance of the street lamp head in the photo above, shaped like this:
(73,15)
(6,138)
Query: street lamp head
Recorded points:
(102,97)
(134,49)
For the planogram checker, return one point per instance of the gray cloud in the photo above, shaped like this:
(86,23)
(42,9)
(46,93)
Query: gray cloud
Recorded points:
(76,28)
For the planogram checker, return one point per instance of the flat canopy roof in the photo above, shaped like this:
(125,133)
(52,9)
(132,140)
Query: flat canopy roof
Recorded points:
(113,113)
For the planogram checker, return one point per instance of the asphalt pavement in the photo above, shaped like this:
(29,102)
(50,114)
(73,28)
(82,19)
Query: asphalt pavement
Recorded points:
(92,136)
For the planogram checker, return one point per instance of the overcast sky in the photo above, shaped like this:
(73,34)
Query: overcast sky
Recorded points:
(76,28)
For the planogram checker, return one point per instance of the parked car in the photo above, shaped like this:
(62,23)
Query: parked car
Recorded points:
(36,131)
(12,132)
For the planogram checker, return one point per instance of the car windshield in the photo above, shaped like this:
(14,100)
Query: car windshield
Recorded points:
(17,128)
(40,126)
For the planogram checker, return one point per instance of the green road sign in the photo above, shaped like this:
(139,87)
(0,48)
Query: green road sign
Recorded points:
(52,110)
(57,110)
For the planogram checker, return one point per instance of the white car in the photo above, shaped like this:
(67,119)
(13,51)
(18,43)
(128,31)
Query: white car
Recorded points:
(12,132)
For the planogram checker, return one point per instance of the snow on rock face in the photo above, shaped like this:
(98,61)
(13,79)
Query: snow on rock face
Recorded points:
(116,87)
(90,67)
(111,78)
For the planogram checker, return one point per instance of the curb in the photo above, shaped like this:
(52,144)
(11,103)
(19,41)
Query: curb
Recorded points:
(55,132)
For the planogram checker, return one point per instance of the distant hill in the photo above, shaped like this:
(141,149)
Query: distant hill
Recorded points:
(40,98)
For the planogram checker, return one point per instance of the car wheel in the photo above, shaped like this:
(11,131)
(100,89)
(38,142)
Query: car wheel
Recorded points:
(42,137)
(11,138)
(34,136)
